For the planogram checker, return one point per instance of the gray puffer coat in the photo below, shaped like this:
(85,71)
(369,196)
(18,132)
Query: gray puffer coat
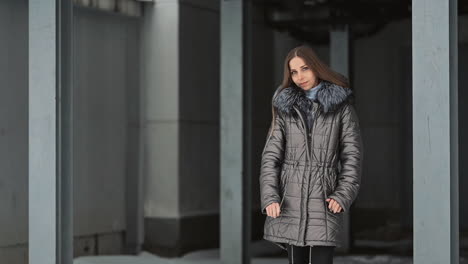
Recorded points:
(302,167)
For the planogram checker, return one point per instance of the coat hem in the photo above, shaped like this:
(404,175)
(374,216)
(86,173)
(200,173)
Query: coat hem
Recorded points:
(283,242)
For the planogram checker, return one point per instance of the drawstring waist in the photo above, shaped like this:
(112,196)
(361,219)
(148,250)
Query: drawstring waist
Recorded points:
(313,163)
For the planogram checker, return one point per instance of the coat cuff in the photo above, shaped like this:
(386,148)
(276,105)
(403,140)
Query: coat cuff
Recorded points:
(267,203)
(344,205)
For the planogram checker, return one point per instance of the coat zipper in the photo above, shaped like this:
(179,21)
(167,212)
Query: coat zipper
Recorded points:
(308,149)
(307,139)
(310,160)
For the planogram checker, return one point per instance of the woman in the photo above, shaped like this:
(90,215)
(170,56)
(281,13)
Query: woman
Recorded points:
(311,164)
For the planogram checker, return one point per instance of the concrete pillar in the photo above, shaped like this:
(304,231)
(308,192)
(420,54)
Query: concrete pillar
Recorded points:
(50,132)
(340,61)
(160,122)
(235,211)
(180,80)
(435,131)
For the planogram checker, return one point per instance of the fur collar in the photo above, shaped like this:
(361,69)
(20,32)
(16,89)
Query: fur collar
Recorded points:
(330,96)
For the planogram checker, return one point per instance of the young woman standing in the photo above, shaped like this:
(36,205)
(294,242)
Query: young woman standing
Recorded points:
(311,163)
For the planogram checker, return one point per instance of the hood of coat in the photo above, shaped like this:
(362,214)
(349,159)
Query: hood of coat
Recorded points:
(329,95)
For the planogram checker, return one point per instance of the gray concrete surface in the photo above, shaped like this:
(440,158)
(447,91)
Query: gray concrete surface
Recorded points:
(259,249)
(148,259)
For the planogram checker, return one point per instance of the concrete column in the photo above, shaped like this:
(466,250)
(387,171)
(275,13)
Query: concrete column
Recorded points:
(235,214)
(50,132)
(42,132)
(435,131)
(180,82)
(160,124)
(340,61)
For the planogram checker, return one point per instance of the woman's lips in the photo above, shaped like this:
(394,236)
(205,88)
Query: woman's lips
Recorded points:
(304,83)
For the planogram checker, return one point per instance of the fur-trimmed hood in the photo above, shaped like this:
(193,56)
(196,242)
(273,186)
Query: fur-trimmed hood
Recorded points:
(329,95)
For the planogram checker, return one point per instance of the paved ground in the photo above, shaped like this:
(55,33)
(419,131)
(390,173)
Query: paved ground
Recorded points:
(146,258)
(260,248)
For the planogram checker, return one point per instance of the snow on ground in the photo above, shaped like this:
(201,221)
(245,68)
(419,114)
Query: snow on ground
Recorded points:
(146,258)
(259,248)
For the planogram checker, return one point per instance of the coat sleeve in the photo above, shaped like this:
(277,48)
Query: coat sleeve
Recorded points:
(270,168)
(349,178)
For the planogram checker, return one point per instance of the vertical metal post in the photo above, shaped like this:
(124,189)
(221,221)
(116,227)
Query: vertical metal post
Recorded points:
(235,212)
(340,61)
(50,132)
(435,131)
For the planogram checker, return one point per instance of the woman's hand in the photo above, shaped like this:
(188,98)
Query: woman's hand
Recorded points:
(333,205)
(273,210)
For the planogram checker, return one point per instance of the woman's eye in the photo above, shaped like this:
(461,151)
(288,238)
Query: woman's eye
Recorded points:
(305,68)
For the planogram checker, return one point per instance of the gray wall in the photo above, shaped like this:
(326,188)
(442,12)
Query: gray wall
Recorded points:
(13,130)
(382,82)
(104,45)
(105,94)
(378,86)
(105,72)
(199,108)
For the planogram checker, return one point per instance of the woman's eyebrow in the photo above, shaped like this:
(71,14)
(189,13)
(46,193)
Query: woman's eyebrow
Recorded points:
(300,67)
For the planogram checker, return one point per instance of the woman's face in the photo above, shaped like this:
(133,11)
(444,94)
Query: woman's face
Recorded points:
(301,74)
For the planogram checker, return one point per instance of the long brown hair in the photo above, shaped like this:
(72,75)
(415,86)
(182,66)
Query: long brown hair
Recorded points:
(320,70)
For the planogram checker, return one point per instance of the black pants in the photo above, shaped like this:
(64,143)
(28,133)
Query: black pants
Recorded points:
(318,255)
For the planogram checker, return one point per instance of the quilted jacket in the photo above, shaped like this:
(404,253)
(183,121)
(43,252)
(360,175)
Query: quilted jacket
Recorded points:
(301,167)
